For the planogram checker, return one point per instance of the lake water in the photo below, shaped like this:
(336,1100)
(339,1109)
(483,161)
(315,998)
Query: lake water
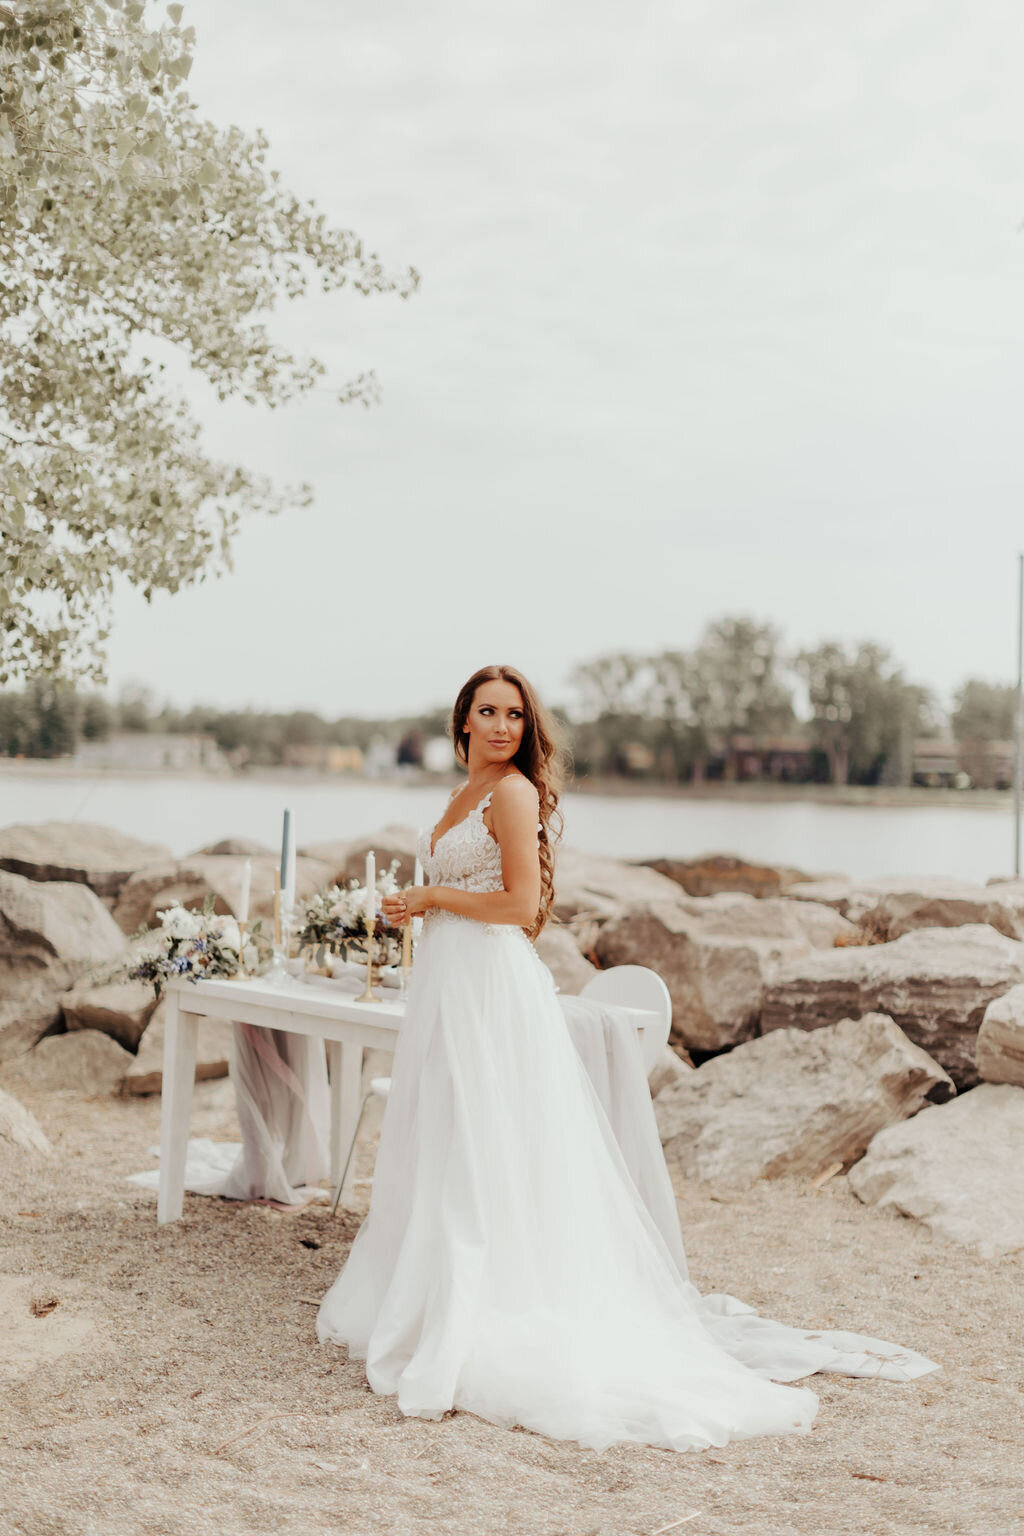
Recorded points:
(965,841)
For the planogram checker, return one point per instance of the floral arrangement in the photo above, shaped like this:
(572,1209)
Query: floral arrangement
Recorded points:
(334,922)
(192,944)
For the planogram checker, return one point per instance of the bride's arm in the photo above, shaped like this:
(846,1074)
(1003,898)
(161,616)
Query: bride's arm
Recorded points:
(514,820)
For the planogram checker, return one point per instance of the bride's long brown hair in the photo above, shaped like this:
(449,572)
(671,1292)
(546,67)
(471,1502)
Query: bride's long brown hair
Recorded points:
(540,758)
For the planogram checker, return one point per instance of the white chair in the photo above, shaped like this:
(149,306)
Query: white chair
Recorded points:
(637,986)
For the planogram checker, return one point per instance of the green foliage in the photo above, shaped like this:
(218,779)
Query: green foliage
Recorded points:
(127,219)
(864,711)
(984,711)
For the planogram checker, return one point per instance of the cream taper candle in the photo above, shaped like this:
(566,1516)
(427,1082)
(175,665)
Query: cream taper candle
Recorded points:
(371,891)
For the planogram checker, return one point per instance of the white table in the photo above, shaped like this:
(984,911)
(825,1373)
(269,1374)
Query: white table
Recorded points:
(328,1013)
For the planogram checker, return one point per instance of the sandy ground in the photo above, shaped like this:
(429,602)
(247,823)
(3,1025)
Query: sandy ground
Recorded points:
(177,1387)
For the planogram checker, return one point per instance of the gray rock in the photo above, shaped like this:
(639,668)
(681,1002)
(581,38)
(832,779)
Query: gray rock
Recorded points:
(716,981)
(217,876)
(944,904)
(241,847)
(58,926)
(20,1128)
(143,1073)
(86,1062)
(29,1006)
(586,883)
(793,1103)
(936,983)
(669,1068)
(119,1009)
(77,851)
(732,915)
(1000,1048)
(558,949)
(725,872)
(958,1168)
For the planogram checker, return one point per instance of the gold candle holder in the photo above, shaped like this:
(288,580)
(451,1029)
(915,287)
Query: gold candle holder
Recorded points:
(241,973)
(369,996)
(406,965)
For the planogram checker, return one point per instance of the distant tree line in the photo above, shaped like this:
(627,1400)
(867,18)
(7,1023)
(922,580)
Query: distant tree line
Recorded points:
(676,716)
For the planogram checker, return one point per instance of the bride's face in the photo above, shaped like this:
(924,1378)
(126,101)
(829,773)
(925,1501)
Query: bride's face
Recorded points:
(495,723)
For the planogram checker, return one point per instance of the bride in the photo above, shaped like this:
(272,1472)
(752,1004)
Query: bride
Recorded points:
(508,1265)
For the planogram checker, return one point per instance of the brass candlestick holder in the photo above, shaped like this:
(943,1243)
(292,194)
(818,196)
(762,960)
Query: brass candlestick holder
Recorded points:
(241,974)
(369,996)
(406,965)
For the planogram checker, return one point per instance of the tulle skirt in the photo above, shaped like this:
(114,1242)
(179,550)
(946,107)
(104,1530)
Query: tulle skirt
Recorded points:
(508,1265)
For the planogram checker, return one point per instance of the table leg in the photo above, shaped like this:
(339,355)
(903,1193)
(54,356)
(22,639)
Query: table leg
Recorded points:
(180,1040)
(338,1149)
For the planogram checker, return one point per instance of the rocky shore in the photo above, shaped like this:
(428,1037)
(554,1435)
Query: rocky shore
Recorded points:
(842,1053)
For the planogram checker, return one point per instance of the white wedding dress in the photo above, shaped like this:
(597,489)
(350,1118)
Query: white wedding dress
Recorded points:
(508,1265)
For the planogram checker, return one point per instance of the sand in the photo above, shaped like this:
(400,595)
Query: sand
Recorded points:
(177,1386)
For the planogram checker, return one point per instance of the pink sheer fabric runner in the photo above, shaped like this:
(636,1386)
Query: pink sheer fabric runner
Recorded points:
(281,1100)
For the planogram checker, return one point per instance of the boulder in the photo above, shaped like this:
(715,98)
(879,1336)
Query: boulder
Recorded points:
(20,1128)
(558,949)
(670,1067)
(119,1009)
(717,872)
(716,973)
(59,926)
(86,1062)
(29,1006)
(936,983)
(944,904)
(51,934)
(218,876)
(241,847)
(958,1168)
(1000,1049)
(587,884)
(793,1103)
(77,851)
(143,1073)
(733,915)
(346,861)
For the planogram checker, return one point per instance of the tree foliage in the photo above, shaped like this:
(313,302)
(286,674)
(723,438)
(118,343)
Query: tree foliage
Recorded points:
(984,711)
(127,222)
(865,713)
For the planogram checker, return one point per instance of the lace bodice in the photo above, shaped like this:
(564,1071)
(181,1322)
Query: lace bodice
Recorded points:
(466,856)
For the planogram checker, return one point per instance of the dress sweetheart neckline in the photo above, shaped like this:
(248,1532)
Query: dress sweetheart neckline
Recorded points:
(434,842)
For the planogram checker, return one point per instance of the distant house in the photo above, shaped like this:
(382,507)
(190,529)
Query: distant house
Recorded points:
(323,757)
(963,764)
(786,758)
(151,751)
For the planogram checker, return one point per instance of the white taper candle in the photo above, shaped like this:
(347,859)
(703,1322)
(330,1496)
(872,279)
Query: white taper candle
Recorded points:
(371,891)
(243,900)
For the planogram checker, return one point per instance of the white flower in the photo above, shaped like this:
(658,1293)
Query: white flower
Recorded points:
(178,923)
(226,928)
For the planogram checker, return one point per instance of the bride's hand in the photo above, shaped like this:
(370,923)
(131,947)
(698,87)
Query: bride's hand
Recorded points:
(405,904)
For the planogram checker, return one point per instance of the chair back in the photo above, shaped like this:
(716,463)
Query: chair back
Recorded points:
(637,986)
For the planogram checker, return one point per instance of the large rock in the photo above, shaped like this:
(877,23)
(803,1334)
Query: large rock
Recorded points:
(86,1062)
(716,982)
(1000,1049)
(944,904)
(51,934)
(587,884)
(241,847)
(724,872)
(936,983)
(58,926)
(77,851)
(192,881)
(671,1067)
(733,915)
(29,1006)
(20,1128)
(119,1009)
(346,861)
(792,1103)
(889,906)
(143,1074)
(958,1168)
(558,949)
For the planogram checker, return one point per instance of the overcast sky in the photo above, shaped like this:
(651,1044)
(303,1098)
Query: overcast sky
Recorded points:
(722,312)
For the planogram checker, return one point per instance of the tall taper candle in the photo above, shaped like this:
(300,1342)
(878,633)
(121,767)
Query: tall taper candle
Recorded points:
(371,891)
(289,901)
(417,873)
(277,907)
(286,837)
(243,900)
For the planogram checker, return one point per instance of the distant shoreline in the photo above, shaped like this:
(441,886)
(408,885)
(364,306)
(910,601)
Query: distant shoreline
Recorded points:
(872,796)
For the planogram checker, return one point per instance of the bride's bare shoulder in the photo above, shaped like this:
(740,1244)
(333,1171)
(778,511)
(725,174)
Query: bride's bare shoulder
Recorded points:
(516,790)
